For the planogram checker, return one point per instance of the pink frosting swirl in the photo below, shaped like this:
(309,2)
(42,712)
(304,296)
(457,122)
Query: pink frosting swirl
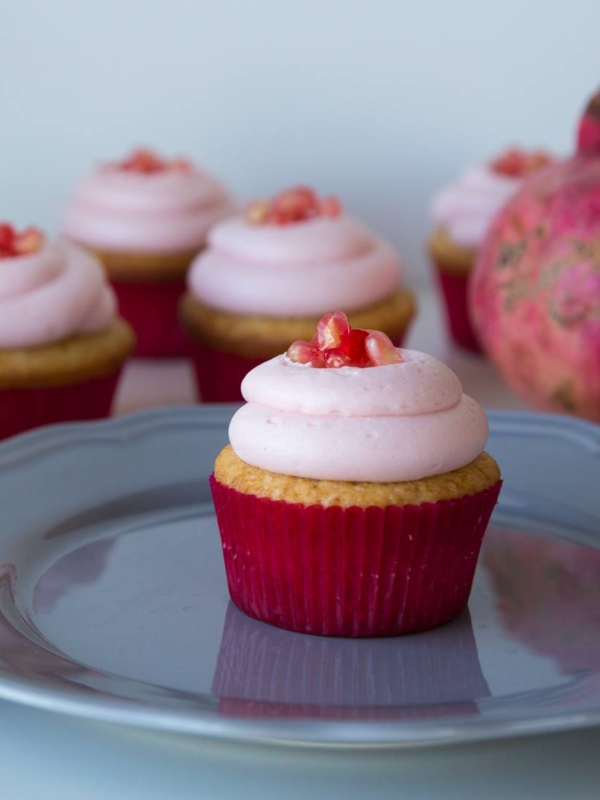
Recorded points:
(52,294)
(294,270)
(466,209)
(398,422)
(167,211)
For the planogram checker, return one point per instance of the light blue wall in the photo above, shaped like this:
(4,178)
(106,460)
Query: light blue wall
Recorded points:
(378,101)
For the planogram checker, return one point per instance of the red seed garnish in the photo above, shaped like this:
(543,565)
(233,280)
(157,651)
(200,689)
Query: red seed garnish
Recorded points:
(293,205)
(331,329)
(305,353)
(257,212)
(380,349)
(336,345)
(335,357)
(354,345)
(180,164)
(330,207)
(146,162)
(7,238)
(14,244)
(517,163)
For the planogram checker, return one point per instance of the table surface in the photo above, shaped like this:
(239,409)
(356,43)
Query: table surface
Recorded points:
(61,758)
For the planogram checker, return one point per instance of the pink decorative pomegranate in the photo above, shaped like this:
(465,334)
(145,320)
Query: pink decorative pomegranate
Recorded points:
(535,290)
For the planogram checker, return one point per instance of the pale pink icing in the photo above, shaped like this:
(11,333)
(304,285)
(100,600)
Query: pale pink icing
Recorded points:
(398,422)
(466,208)
(52,294)
(168,211)
(300,269)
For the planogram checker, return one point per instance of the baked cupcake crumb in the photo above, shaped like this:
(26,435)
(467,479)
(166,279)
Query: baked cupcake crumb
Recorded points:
(264,337)
(480,474)
(73,360)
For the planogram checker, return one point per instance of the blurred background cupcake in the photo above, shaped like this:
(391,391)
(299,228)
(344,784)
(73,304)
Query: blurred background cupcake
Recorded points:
(145,218)
(268,275)
(62,345)
(461,215)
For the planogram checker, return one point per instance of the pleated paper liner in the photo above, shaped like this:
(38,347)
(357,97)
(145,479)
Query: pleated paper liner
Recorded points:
(152,309)
(351,572)
(454,290)
(23,409)
(219,374)
(264,671)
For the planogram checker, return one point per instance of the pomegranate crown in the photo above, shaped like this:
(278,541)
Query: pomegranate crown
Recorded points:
(336,344)
(19,243)
(298,204)
(588,133)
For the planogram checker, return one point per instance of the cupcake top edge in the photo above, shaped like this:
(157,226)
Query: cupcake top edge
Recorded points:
(402,418)
(49,291)
(466,208)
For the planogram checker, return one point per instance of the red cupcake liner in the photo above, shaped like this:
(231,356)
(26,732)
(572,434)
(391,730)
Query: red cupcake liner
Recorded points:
(219,374)
(454,290)
(264,671)
(351,571)
(24,409)
(152,310)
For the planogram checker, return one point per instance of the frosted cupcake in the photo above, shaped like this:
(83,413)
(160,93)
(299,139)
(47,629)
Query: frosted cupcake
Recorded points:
(267,276)
(355,493)
(145,218)
(62,345)
(462,214)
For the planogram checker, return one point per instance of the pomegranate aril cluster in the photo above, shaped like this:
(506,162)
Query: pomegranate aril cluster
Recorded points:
(293,205)
(517,163)
(147,162)
(336,344)
(13,243)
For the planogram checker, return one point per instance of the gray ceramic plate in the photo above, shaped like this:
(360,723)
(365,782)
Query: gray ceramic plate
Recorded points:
(114,604)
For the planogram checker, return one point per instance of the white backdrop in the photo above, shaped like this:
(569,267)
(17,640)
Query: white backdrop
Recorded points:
(377,101)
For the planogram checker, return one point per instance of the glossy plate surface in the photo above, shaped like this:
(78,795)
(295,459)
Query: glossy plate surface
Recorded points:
(113,602)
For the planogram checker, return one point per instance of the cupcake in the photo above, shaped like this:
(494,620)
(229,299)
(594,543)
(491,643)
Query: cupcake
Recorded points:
(267,277)
(462,214)
(354,495)
(62,345)
(146,218)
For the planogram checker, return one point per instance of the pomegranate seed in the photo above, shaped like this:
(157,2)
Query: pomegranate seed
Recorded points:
(181,165)
(536,161)
(335,357)
(13,243)
(28,242)
(257,212)
(331,328)
(330,207)
(7,238)
(353,344)
(304,353)
(381,350)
